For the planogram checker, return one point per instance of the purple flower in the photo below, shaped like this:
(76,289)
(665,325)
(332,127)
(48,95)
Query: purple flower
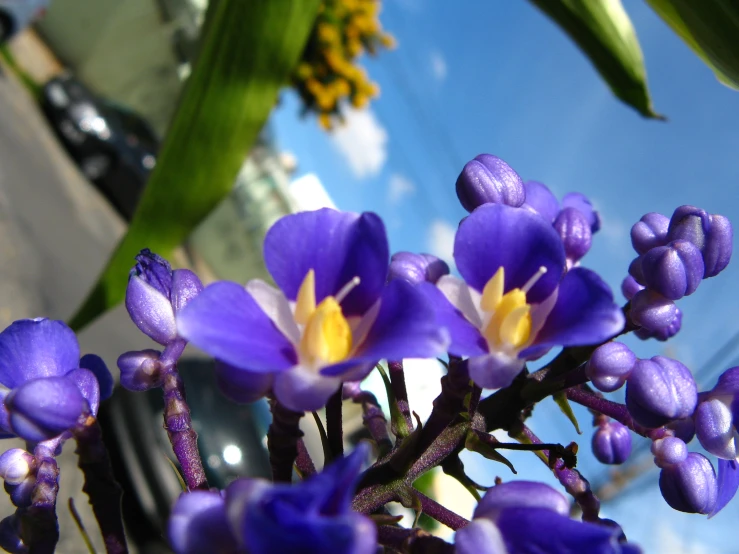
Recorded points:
(648,232)
(488,179)
(141,370)
(313,516)
(46,387)
(651,310)
(690,485)
(715,425)
(712,234)
(525,516)
(332,320)
(416,268)
(15,465)
(610,365)
(612,443)
(541,200)
(659,390)
(514,303)
(155,294)
(199,523)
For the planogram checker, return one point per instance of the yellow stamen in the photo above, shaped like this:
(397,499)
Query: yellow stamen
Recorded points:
(516,327)
(510,324)
(305,304)
(327,338)
(493,291)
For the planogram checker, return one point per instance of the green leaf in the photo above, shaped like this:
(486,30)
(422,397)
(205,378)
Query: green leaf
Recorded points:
(474,444)
(561,399)
(399,425)
(603,31)
(710,28)
(248,51)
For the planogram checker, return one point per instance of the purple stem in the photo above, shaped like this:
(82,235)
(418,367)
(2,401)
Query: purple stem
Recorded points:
(374,420)
(39,525)
(574,483)
(334,426)
(441,514)
(304,462)
(412,541)
(177,421)
(397,383)
(100,485)
(282,441)
(597,403)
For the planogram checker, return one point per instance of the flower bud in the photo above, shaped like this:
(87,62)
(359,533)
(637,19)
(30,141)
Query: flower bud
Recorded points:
(664,333)
(651,310)
(610,365)
(541,200)
(635,270)
(712,234)
(10,535)
(15,465)
(140,370)
(185,286)
(581,203)
(488,179)
(715,429)
(659,390)
(690,486)
(629,287)
(21,495)
(669,451)
(43,408)
(574,229)
(674,270)
(650,231)
(416,268)
(612,443)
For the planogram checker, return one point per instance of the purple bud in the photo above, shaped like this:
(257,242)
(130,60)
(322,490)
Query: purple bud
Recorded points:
(669,451)
(635,270)
(15,465)
(154,271)
(44,408)
(416,268)
(88,385)
(541,200)
(712,234)
(690,486)
(629,287)
(650,231)
(521,494)
(610,365)
(21,495)
(684,429)
(612,443)
(574,229)
(659,390)
(664,333)
(714,427)
(652,310)
(581,203)
(488,179)
(97,366)
(185,286)
(199,523)
(10,535)
(674,270)
(140,370)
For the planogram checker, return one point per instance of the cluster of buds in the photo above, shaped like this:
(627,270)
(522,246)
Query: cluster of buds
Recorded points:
(674,256)
(328,74)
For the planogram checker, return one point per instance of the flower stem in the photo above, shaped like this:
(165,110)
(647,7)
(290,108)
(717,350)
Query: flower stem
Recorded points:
(334,425)
(441,514)
(100,485)
(39,525)
(374,420)
(397,382)
(597,403)
(282,441)
(304,462)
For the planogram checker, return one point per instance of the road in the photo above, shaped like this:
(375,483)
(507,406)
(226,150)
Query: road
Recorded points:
(56,233)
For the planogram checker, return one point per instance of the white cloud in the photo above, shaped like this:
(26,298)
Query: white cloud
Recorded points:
(399,187)
(362,140)
(440,240)
(438,65)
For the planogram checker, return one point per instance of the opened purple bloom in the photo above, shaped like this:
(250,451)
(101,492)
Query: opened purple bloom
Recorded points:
(45,385)
(332,320)
(516,301)
(525,516)
(314,516)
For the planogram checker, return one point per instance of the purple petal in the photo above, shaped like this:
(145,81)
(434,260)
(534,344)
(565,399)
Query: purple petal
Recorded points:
(728,483)
(540,199)
(690,486)
(728,382)
(185,286)
(405,328)
(240,385)
(495,236)
(495,370)
(100,370)
(227,323)
(154,270)
(150,310)
(88,385)
(33,348)
(521,494)
(584,313)
(199,523)
(303,389)
(481,536)
(43,408)
(338,246)
(715,429)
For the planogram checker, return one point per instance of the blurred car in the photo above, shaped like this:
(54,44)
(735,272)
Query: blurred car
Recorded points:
(16,15)
(114,147)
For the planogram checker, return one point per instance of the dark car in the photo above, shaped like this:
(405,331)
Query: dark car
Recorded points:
(114,147)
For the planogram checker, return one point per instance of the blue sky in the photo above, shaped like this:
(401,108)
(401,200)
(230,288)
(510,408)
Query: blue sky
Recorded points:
(498,77)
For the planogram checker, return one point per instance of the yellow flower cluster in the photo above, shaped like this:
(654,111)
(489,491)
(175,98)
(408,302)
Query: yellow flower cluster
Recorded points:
(328,75)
